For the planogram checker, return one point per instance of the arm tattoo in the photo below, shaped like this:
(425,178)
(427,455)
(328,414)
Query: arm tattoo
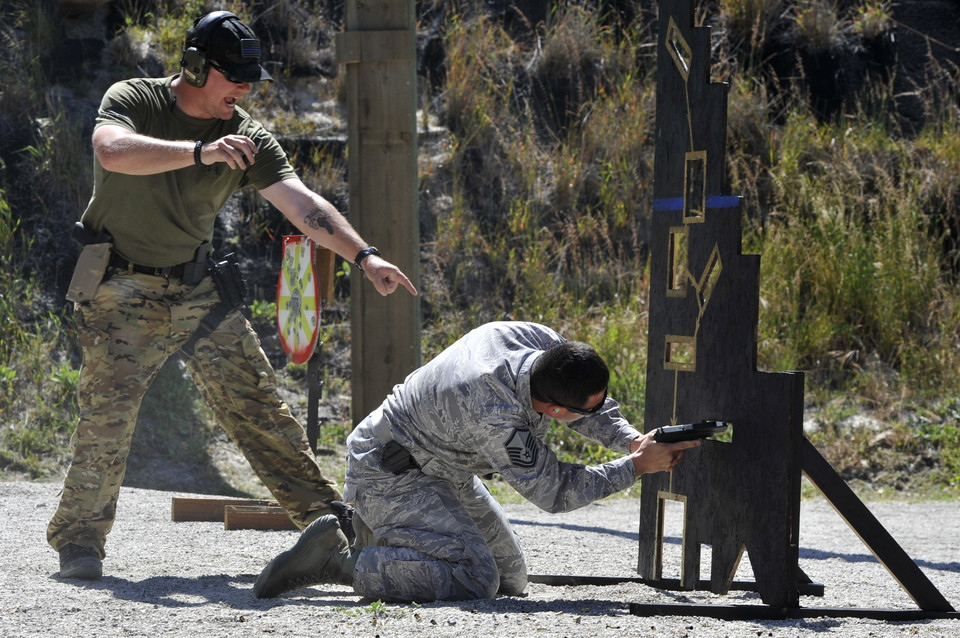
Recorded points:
(318,218)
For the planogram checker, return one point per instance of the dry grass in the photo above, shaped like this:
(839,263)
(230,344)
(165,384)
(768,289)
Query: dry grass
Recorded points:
(536,205)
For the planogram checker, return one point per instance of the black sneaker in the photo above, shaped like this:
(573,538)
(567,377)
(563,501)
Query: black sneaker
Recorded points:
(83,563)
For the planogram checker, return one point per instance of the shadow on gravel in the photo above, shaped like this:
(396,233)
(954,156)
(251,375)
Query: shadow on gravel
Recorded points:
(576,528)
(513,605)
(816,554)
(808,554)
(180,592)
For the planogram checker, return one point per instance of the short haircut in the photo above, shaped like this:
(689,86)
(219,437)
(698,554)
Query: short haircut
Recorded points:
(568,373)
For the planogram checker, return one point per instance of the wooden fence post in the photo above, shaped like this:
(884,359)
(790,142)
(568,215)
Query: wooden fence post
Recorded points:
(378,47)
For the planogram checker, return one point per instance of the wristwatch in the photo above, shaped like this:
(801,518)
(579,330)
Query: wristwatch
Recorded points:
(363,254)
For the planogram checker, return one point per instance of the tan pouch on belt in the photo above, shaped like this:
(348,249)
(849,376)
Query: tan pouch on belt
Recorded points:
(89,272)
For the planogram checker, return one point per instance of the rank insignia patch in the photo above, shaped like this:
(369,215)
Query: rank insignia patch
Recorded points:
(521,448)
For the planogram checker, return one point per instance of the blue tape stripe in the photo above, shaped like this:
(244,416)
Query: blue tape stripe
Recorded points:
(723,201)
(717,201)
(669,203)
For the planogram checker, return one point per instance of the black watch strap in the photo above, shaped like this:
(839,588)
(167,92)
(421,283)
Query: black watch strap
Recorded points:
(363,254)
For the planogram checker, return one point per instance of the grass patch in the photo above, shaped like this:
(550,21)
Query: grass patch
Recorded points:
(38,380)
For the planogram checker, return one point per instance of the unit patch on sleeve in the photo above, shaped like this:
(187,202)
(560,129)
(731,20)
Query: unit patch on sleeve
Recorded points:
(522,448)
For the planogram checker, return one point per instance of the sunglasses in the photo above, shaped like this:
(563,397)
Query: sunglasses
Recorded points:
(227,74)
(581,411)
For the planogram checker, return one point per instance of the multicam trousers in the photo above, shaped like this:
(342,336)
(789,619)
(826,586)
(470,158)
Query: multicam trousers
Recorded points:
(131,327)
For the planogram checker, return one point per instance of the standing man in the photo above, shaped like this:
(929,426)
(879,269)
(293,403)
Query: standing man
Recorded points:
(169,152)
(427,528)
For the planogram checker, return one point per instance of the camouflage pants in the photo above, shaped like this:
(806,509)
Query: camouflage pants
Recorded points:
(434,540)
(131,327)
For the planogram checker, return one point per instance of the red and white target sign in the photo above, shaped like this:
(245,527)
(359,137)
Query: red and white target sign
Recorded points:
(298,298)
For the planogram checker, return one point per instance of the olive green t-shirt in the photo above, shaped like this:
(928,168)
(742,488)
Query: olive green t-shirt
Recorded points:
(160,220)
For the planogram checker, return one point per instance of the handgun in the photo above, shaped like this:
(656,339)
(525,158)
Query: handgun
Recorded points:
(688,431)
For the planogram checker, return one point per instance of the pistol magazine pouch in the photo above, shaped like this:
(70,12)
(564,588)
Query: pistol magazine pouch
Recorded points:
(91,266)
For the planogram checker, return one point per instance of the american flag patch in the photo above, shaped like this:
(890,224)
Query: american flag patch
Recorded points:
(250,48)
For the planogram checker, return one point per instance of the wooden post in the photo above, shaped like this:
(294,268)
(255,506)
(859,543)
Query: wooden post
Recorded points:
(324,261)
(378,47)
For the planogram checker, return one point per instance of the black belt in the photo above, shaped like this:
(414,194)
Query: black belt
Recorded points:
(116,261)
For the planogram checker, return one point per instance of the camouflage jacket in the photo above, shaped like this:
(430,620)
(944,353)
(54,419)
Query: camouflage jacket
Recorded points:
(469,412)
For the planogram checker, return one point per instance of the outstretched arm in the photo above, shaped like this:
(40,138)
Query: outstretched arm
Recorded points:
(318,219)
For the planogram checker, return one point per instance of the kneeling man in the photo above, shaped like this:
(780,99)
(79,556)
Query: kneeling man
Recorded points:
(426,526)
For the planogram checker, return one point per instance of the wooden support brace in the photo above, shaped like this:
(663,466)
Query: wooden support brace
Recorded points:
(234,513)
(862,521)
(324,262)
(806,588)
(769,612)
(256,517)
(208,509)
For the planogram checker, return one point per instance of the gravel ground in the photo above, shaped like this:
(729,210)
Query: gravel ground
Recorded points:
(194,579)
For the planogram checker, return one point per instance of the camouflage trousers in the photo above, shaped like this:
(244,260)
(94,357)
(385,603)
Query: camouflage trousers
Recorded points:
(434,540)
(127,331)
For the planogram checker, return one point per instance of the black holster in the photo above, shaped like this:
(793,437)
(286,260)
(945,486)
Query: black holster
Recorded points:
(395,458)
(194,271)
(229,281)
(232,290)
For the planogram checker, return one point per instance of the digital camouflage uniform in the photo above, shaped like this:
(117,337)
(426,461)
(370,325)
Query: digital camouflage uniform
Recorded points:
(135,322)
(439,533)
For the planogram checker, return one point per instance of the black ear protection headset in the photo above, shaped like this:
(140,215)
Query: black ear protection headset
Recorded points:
(194,60)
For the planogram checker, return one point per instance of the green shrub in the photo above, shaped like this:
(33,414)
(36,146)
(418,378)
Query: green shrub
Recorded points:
(38,399)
